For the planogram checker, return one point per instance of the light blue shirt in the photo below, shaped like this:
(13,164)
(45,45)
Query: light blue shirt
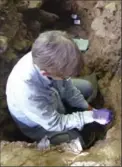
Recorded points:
(36,100)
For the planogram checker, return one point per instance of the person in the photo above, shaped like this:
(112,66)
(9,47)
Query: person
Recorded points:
(41,95)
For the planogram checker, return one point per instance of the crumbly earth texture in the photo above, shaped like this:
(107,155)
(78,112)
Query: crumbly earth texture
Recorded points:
(101,24)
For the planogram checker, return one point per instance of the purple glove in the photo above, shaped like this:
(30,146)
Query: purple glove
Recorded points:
(102,116)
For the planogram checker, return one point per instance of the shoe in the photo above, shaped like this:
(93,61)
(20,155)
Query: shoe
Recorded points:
(75,139)
(91,133)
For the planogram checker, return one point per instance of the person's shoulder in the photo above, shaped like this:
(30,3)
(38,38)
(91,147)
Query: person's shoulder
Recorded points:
(22,69)
(26,59)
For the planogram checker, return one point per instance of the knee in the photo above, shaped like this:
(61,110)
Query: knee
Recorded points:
(84,86)
(88,90)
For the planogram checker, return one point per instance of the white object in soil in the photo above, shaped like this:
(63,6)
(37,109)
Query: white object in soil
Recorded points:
(86,163)
(81,43)
(74,16)
(77,22)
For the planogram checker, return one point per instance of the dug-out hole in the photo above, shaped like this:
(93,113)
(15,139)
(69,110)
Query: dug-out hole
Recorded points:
(64,22)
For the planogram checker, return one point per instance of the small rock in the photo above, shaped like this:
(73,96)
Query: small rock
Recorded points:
(22,5)
(21,45)
(97,12)
(35,4)
(111,7)
(100,4)
(87,163)
(84,153)
(3,44)
(97,24)
(10,55)
(31,145)
(60,150)
(2,18)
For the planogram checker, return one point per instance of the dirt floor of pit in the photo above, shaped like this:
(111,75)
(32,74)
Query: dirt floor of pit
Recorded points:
(100,23)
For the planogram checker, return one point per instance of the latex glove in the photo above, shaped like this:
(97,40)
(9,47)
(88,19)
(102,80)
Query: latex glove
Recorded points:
(102,116)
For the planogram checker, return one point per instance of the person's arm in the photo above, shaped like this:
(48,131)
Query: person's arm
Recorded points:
(42,113)
(74,97)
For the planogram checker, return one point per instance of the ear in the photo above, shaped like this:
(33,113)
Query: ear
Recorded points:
(44,73)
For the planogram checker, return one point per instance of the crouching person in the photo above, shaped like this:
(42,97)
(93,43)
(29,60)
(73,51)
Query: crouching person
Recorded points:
(39,89)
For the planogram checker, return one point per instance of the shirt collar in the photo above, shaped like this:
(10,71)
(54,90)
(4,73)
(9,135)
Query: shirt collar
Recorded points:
(46,80)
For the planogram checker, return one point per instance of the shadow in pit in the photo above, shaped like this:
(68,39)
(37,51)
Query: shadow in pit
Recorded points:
(60,8)
(10,131)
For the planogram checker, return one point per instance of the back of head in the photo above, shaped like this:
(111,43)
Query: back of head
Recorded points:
(56,53)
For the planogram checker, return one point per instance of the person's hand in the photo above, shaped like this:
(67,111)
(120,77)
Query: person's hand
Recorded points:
(90,107)
(102,116)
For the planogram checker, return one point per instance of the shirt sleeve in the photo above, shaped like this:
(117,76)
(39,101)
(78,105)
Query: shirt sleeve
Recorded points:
(38,109)
(42,113)
(74,97)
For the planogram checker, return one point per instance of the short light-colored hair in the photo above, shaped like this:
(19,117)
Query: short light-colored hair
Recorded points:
(56,53)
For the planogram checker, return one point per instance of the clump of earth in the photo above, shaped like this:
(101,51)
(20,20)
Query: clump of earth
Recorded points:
(20,23)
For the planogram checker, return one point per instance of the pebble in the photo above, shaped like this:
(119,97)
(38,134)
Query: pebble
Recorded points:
(111,7)
(87,163)
(3,44)
(100,4)
(35,3)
